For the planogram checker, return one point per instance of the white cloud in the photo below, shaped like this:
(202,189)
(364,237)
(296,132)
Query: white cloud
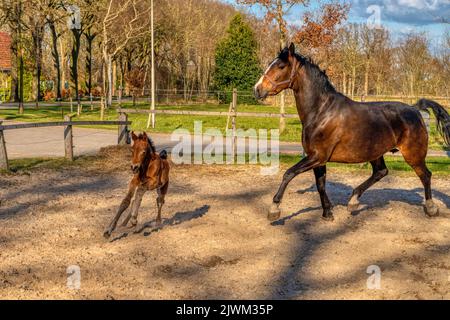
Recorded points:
(415,12)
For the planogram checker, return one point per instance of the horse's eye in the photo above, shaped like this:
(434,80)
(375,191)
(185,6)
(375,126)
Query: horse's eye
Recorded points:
(282,66)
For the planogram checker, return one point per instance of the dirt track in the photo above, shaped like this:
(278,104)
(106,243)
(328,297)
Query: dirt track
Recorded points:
(216,241)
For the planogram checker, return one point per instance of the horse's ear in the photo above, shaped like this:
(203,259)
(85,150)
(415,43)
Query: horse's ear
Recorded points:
(133,136)
(144,135)
(292,49)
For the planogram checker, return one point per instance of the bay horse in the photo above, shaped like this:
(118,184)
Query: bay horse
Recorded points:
(338,129)
(151,171)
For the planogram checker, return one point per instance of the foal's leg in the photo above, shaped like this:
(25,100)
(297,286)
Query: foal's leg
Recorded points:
(123,206)
(321,174)
(137,204)
(379,171)
(160,200)
(304,165)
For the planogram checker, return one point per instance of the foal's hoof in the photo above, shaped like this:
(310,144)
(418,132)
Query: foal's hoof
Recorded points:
(329,218)
(431,209)
(274,212)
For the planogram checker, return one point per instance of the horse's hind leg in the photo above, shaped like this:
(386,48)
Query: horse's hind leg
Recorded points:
(320,174)
(414,149)
(425,176)
(379,171)
(160,200)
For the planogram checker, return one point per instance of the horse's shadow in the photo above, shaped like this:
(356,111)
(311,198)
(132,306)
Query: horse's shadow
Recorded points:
(178,218)
(340,193)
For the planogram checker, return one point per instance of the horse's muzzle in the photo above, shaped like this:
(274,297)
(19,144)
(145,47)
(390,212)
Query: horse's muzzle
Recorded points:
(259,93)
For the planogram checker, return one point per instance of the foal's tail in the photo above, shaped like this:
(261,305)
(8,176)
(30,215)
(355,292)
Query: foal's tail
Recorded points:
(442,117)
(163,154)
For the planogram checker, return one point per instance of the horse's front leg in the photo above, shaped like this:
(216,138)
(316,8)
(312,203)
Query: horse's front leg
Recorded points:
(123,206)
(321,173)
(306,164)
(136,205)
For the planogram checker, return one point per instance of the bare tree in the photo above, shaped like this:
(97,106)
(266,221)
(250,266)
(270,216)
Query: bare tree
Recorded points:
(123,21)
(12,15)
(277,10)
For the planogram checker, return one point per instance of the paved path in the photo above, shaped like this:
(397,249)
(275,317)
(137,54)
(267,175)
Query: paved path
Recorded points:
(49,142)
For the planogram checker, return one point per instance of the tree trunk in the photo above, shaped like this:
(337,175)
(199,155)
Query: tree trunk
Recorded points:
(110,81)
(56,59)
(366,78)
(89,39)
(282,44)
(114,78)
(14,96)
(344,82)
(63,64)
(74,71)
(353,80)
(37,35)
(21,107)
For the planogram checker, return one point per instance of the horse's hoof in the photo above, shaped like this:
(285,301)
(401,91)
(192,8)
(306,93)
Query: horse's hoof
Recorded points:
(274,212)
(329,218)
(353,205)
(107,234)
(431,210)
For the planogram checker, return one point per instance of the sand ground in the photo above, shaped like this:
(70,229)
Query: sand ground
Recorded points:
(215,241)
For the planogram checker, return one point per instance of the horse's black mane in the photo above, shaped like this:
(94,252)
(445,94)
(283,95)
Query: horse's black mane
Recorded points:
(150,142)
(318,76)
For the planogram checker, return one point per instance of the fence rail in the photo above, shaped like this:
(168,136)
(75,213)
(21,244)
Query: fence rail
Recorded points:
(209,113)
(68,135)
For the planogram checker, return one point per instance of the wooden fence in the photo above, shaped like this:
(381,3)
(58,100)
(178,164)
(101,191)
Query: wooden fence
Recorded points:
(68,134)
(232,114)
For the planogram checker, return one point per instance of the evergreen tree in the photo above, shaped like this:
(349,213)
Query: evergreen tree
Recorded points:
(237,64)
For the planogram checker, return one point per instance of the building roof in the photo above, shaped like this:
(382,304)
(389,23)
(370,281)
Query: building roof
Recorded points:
(5,52)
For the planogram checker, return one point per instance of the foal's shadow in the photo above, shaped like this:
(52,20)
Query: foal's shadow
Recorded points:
(178,218)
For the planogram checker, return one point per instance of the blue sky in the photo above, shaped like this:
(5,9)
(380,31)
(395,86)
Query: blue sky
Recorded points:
(399,16)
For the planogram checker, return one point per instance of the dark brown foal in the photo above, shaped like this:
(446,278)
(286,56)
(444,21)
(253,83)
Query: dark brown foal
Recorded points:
(151,171)
(338,129)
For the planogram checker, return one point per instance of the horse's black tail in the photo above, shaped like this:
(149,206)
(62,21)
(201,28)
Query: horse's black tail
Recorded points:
(442,117)
(163,154)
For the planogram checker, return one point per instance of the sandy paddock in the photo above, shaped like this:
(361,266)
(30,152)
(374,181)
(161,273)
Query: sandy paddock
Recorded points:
(216,241)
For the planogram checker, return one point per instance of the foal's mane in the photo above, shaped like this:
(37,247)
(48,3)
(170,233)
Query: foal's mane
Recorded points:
(318,76)
(150,142)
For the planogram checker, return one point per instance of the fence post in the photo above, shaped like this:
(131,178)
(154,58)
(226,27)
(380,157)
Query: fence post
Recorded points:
(233,120)
(3,155)
(68,138)
(123,129)
(120,96)
(102,108)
